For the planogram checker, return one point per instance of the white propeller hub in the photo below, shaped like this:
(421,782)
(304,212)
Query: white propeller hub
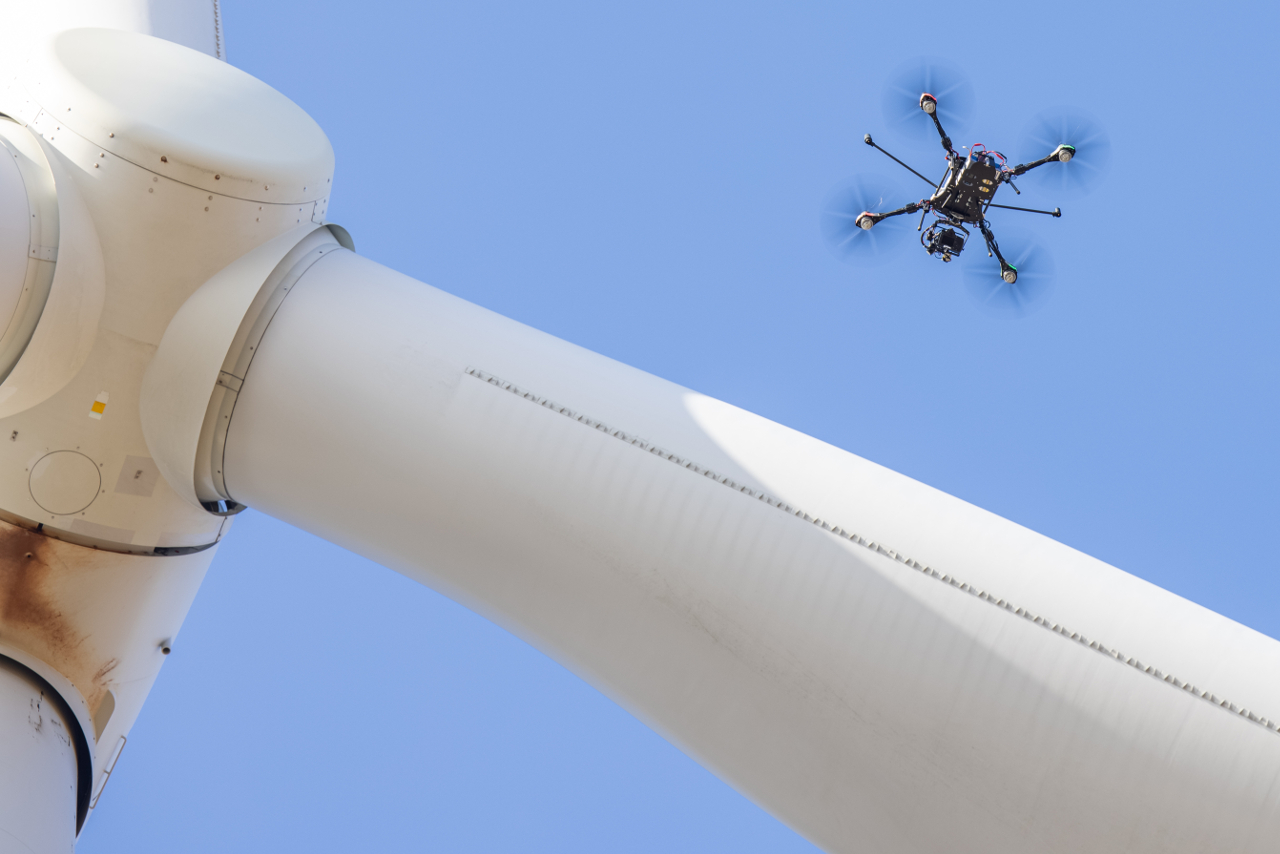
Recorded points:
(172,165)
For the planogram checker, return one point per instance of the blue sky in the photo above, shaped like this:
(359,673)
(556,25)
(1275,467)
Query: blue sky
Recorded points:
(645,180)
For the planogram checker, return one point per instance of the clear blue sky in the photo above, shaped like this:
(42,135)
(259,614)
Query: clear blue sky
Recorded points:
(644,180)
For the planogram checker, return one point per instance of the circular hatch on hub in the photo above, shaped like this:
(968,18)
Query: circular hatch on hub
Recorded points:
(65,482)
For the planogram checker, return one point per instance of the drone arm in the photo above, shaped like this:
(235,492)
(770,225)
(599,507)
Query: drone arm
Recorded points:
(946,140)
(929,104)
(992,246)
(1056,212)
(1024,168)
(867,139)
(1061,154)
(905,209)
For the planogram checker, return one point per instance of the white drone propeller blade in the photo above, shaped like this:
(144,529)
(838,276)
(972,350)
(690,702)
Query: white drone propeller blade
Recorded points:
(882,666)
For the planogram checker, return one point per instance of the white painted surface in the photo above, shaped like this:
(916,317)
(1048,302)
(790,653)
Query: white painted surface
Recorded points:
(92,623)
(38,786)
(66,689)
(181,114)
(140,236)
(181,378)
(193,23)
(868,703)
(93,592)
(15,236)
(65,482)
(29,270)
(68,323)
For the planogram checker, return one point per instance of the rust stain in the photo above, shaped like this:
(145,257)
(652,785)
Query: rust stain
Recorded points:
(38,713)
(101,675)
(31,619)
(26,604)
(101,682)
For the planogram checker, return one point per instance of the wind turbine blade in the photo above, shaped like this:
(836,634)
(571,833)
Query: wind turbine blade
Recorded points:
(882,666)
(194,23)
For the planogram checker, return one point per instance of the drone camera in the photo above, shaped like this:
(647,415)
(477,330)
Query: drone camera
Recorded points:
(944,242)
(951,241)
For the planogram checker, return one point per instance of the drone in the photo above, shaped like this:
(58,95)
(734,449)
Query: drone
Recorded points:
(964,196)
(1075,155)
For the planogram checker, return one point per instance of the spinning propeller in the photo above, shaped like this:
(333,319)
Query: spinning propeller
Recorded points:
(989,290)
(951,89)
(1068,127)
(839,217)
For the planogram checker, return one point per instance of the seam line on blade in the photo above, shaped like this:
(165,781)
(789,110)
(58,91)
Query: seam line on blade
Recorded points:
(217,31)
(876,547)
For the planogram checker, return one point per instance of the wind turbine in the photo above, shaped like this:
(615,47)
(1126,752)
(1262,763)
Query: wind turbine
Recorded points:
(877,663)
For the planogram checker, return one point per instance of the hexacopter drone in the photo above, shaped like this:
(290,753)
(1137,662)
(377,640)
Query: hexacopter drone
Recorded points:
(965,194)
(1077,153)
